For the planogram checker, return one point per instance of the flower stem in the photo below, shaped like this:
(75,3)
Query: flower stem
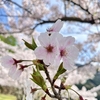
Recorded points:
(57,95)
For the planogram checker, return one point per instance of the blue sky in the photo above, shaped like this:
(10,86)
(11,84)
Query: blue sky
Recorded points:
(80,37)
(18,1)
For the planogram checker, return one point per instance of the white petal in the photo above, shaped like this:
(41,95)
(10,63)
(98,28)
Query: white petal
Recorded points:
(55,37)
(69,41)
(72,52)
(49,58)
(40,52)
(68,63)
(12,71)
(16,74)
(7,61)
(44,39)
(57,26)
(57,62)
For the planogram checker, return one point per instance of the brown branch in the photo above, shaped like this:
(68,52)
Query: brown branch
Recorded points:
(73,19)
(19,6)
(86,10)
(82,8)
(57,95)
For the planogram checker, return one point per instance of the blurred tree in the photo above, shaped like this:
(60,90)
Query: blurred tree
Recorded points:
(80,16)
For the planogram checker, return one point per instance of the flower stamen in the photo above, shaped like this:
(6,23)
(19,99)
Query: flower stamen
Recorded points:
(63,53)
(49,48)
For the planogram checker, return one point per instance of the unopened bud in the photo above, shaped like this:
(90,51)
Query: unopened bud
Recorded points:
(33,90)
(44,97)
(81,98)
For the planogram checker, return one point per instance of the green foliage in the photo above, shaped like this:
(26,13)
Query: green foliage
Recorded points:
(29,45)
(39,64)
(7,97)
(33,43)
(9,40)
(68,87)
(38,79)
(60,71)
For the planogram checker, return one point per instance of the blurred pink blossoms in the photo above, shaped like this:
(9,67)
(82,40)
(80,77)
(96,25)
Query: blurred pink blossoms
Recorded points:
(11,64)
(56,48)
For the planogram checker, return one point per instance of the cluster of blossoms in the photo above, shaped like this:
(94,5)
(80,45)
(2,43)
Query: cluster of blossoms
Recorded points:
(55,50)
(12,65)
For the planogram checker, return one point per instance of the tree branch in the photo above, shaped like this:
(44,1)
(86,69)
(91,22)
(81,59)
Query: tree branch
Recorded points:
(19,6)
(74,19)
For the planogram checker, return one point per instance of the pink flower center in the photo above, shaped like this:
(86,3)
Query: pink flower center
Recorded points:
(63,53)
(50,30)
(11,61)
(22,67)
(49,48)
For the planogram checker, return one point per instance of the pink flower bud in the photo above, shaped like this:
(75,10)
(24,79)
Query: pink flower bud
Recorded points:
(81,98)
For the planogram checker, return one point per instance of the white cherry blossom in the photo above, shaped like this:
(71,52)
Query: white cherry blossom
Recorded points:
(56,26)
(68,52)
(48,49)
(11,64)
(8,62)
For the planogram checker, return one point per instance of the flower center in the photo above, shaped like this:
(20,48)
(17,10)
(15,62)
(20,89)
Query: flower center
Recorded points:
(50,30)
(63,53)
(49,48)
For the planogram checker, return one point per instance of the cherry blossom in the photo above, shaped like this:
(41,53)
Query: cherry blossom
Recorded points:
(11,64)
(8,62)
(67,51)
(55,48)
(56,26)
(17,73)
(48,49)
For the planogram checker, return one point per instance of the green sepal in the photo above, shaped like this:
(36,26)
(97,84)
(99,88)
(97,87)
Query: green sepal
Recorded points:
(38,79)
(29,45)
(34,45)
(38,64)
(60,71)
(63,80)
(67,87)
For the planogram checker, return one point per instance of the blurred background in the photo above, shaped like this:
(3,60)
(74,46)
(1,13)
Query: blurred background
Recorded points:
(24,19)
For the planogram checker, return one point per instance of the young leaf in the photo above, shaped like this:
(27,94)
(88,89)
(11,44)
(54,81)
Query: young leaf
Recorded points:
(38,79)
(60,71)
(33,43)
(29,45)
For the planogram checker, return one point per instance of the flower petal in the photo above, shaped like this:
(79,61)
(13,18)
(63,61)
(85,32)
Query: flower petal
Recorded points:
(16,74)
(12,71)
(69,41)
(43,39)
(7,61)
(68,63)
(40,52)
(73,52)
(57,26)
